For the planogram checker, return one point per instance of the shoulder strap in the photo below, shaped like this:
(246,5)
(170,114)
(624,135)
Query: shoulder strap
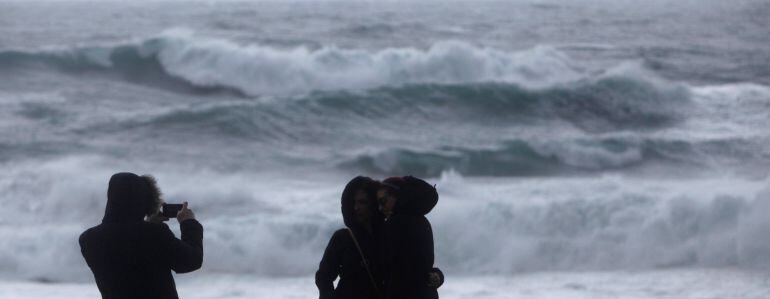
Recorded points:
(365,262)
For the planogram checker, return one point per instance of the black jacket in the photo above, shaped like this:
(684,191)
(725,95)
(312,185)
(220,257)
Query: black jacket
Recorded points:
(131,258)
(409,242)
(341,258)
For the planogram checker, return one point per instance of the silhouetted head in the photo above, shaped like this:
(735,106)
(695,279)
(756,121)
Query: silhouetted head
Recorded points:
(358,202)
(406,195)
(131,197)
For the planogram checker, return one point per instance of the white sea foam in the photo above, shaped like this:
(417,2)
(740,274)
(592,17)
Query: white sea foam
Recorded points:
(267,225)
(260,69)
(268,70)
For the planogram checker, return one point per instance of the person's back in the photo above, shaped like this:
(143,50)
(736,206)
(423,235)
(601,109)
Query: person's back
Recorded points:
(408,238)
(409,243)
(132,258)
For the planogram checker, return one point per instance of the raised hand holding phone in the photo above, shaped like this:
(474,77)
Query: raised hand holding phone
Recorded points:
(185,213)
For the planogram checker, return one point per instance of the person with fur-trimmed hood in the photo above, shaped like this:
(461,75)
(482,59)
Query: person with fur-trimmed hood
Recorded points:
(132,258)
(408,238)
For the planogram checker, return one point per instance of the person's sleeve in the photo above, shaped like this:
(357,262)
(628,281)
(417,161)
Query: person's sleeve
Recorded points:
(185,255)
(83,248)
(426,249)
(328,269)
(423,241)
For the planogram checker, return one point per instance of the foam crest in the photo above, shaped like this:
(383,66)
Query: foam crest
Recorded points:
(264,224)
(264,70)
(604,228)
(254,223)
(258,69)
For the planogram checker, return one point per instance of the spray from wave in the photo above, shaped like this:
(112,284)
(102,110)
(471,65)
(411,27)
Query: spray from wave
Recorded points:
(571,226)
(263,70)
(253,225)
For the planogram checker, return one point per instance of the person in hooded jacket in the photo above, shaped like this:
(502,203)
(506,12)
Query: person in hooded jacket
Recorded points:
(408,237)
(359,275)
(132,258)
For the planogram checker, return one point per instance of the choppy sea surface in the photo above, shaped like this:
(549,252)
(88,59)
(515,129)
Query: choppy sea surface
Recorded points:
(581,149)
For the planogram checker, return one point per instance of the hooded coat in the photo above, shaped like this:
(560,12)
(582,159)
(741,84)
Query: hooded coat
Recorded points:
(342,258)
(409,240)
(131,258)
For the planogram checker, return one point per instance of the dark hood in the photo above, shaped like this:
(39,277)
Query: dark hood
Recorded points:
(348,200)
(415,196)
(128,198)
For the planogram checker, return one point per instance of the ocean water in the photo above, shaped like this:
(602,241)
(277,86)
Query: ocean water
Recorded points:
(581,149)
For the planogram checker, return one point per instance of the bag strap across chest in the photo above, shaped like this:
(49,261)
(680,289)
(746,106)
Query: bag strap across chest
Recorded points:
(365,262)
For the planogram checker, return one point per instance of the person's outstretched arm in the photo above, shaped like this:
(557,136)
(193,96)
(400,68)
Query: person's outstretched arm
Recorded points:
(185,255)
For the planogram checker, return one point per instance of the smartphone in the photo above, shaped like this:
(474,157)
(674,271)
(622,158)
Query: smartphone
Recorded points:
(170,209)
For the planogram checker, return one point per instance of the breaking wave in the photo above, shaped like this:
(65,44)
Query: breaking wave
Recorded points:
(450,80)
(182,61)
(606,228)
(253,225)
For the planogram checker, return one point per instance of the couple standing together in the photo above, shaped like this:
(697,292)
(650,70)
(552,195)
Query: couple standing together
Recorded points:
(386,251)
